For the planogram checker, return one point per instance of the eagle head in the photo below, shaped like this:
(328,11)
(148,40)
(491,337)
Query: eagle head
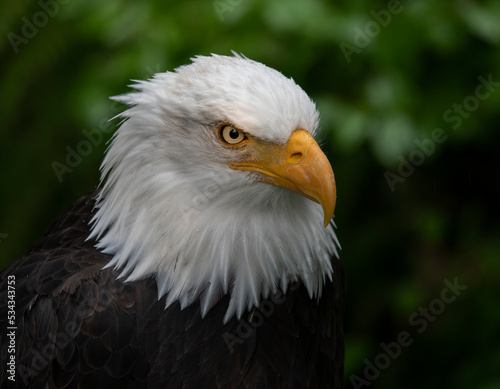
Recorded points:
(214,184)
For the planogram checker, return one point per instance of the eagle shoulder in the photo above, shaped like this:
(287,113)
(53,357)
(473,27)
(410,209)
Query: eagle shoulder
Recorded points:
(75,321)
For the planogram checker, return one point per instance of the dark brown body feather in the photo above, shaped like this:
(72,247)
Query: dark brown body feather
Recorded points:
(79,326)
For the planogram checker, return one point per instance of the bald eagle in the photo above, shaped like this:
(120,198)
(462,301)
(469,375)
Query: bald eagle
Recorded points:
(206,258)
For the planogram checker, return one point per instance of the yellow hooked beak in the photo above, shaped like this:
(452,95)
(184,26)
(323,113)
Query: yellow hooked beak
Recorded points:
(299,165)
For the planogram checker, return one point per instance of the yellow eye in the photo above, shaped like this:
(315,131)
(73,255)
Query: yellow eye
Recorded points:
(231,135)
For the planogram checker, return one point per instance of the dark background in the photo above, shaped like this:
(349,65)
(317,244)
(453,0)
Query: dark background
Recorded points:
(411,62)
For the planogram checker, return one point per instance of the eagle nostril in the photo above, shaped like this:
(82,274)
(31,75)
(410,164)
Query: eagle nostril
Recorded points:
(295,157)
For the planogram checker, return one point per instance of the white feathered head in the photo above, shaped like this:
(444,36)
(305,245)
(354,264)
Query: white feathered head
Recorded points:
(214,184)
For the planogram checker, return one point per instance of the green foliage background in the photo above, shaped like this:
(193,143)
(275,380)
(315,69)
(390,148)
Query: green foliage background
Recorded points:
(440,222)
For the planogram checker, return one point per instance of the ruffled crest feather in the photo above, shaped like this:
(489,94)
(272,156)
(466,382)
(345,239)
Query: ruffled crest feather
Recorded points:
(171,208)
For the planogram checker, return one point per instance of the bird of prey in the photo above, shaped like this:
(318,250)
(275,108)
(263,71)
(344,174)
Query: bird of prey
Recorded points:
(206,257)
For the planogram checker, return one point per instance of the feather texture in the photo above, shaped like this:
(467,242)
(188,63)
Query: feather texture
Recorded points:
(227,233)
(80,326)
(179,271)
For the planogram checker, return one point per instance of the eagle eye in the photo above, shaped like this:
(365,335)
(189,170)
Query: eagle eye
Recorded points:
(231,135)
